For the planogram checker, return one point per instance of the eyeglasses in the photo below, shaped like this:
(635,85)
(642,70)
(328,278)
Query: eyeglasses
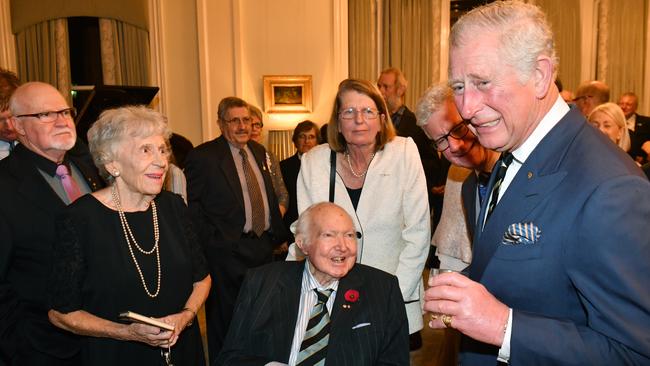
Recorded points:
(458,132)
(367,113)
(51,116)
(257,125)
(237,120)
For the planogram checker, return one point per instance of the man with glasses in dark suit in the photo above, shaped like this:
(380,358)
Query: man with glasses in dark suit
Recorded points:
(234,209)
(42,175)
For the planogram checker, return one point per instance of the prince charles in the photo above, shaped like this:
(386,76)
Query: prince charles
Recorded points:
(324,310)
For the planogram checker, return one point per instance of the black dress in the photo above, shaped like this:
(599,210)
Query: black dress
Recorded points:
(94,271)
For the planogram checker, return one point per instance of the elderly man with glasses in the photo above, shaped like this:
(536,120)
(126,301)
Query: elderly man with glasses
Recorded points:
(234,209)
(40,177)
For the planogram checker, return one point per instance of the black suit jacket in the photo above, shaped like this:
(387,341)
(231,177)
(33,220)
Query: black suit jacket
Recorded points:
(214,193)
(290,168)
(468,195)
(640,135)
(263,326)
(27,214)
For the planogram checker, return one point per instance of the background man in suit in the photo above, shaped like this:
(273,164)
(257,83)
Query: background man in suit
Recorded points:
(392,84)
(235,210)
(8,83)
(33,191)
(363,314)
(559,270)
(638,125)
(471,167)
(590,95)
(305,136)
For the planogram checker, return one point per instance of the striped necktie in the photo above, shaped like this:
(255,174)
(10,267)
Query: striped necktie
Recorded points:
(255,194)
(506,159)
(313,348)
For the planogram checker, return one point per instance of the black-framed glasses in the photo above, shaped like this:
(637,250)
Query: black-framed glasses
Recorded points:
(237,121)
(257,125)
(367,113)
(458,132)
(51,116)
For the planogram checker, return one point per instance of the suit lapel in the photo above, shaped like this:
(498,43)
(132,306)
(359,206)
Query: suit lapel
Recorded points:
(343,317)
(287,302)
(537,177)
(32,184)
(228,168)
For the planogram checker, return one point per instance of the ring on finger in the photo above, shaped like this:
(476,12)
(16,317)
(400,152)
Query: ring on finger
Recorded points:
(434,317)
(446,319)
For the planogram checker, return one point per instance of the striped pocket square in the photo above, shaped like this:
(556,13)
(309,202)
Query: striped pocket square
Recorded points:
(522,233)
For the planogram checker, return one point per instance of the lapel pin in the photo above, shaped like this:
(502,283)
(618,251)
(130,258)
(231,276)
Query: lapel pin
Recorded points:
(530,175)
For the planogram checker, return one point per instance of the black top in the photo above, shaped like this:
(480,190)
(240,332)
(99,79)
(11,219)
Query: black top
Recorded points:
(94,271)
(355,195)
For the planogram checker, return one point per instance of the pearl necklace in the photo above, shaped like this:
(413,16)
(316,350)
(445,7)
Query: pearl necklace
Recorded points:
(358,175)
(128,235)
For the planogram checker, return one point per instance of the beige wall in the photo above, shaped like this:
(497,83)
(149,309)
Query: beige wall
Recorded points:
(242,40)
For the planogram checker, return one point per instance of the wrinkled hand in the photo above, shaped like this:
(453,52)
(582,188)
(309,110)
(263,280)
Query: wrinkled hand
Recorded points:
(148,334)
(475,312)
(180,321)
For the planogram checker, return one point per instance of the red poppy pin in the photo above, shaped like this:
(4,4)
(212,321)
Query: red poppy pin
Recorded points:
(351,295)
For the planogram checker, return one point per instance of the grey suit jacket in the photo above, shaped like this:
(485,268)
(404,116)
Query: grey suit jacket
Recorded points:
(262,328)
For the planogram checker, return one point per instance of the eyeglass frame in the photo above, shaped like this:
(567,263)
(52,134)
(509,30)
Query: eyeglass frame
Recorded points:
(72,113)
(357,112)
(248,121)
(439,141)
(259,125)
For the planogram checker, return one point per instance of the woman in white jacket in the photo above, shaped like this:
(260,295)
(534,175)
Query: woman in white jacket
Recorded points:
(379,180)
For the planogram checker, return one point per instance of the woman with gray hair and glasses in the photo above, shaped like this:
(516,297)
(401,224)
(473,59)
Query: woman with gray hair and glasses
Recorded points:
(130,247)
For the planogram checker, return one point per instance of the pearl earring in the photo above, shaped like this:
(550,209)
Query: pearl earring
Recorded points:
(116,173)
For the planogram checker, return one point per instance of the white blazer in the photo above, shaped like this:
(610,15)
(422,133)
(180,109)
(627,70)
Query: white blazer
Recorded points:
(392,214)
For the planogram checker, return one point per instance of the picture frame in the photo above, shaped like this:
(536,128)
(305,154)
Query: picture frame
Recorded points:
(287,94)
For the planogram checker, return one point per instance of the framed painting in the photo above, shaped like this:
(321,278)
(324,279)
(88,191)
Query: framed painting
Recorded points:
(287,94)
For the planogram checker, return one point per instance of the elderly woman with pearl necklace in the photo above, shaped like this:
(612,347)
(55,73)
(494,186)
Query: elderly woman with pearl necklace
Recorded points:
(130,247)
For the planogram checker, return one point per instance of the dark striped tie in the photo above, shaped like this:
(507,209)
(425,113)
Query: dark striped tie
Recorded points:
(255,195)
(506,159)
(313,348)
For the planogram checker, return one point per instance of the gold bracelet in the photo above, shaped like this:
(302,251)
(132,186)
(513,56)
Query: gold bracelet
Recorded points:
(193,315)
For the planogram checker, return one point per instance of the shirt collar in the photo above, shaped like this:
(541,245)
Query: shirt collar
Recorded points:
(44,164)
(554,115)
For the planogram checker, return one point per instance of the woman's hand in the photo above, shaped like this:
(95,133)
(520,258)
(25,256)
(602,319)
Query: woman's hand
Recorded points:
(180,321)
(149,334)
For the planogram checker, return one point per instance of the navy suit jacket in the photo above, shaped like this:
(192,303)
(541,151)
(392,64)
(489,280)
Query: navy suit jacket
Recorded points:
(580,293)
(265,318)
(27,231)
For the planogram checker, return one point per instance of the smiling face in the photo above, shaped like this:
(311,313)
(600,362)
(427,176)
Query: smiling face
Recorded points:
(235,128)
(332,246)
(501,108)
(359,131)
(465,152)
(606,125)
(142,163)
(628,104)
(48,139)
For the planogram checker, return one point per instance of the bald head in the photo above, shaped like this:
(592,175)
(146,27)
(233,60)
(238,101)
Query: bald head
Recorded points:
(590,95)
(47,134)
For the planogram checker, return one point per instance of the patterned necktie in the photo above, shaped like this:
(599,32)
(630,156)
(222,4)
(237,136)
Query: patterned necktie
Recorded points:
(313,348)
(69,185)
(255,195)
(506,159)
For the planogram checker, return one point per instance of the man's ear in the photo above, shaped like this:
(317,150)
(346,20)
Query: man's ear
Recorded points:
(17,125)
(543,75)
(300,242)
(401,90)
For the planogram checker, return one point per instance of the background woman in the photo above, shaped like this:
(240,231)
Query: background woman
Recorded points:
(130,247)
(271,160)
(379,181)
(610,120)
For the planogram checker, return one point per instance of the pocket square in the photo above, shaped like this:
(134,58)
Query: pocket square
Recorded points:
(361,325)
(522,233)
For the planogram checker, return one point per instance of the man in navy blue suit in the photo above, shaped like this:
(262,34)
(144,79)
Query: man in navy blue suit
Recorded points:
(560,254)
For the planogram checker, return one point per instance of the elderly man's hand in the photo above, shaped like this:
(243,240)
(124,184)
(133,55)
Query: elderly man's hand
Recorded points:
(474,311)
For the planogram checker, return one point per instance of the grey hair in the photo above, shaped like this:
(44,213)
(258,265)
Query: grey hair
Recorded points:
(432,101)
(400,79)
(613,111)
(522,29)
(255,112)
(115,125)
(305,225)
